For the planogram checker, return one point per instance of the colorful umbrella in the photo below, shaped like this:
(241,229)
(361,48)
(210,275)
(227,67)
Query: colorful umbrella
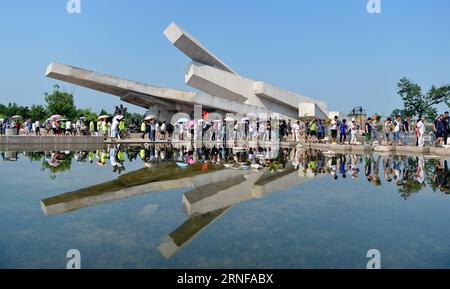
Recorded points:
(190,123)
(55,117)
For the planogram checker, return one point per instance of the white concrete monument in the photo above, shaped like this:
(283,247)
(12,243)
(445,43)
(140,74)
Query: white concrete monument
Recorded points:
(222,90)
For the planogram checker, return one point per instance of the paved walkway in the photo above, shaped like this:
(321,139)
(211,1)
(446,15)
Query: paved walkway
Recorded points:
(78,142)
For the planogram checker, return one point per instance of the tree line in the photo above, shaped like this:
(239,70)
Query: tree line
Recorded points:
(56,103)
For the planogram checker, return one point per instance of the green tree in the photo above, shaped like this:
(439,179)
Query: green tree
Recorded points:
(13,109)
(416,103)
(62,103)
(103,112)
(87,112)
(2,110)
(38,112)
(397,111)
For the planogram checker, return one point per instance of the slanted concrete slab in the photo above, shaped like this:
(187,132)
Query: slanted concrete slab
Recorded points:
(114,85)
(236,88)
(190,46)
(283,96)
(216,82)
(311,110)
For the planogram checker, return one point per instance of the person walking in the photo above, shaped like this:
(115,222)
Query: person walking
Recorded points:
(376,130)
(343,131)
(406,130)
(307,130)
(115,129)
(320,131)
(388,130)
(296,132)
(368,131)
(92,129)
(333,128)
(313,131)
(104,125)
(29,126)
(396,130)
(283,131)
(68,127)
(153,130)
(446,127)
(163,130)
(420,131)
(289,129)
(438,128)
(122,128)
(37,127)
(143,129)
(353,132)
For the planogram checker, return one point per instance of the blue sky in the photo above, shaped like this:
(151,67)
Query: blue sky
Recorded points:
(331,50)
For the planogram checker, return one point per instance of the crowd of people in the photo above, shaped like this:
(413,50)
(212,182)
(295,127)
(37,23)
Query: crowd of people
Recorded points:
(375,130)
(114,127)
(390,131)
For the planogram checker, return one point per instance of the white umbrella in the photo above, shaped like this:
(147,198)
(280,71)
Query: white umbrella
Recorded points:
(16,116)
(229,119)
(103,116)
(150,117)
(118,117)
(183,120)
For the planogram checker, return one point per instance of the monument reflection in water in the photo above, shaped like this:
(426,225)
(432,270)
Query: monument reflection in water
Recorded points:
(221,178)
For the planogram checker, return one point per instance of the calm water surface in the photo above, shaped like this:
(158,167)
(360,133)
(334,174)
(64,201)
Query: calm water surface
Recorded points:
(159,207)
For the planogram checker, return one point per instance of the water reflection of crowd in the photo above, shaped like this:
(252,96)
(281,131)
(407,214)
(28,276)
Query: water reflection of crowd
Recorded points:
(408,174)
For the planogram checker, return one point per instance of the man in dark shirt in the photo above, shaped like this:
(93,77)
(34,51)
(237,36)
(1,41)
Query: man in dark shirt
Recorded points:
(446,127)
(406,127)
(438,128)
(368,131)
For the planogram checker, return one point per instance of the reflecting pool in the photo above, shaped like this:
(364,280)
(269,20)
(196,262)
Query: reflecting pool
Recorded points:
(157,206)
